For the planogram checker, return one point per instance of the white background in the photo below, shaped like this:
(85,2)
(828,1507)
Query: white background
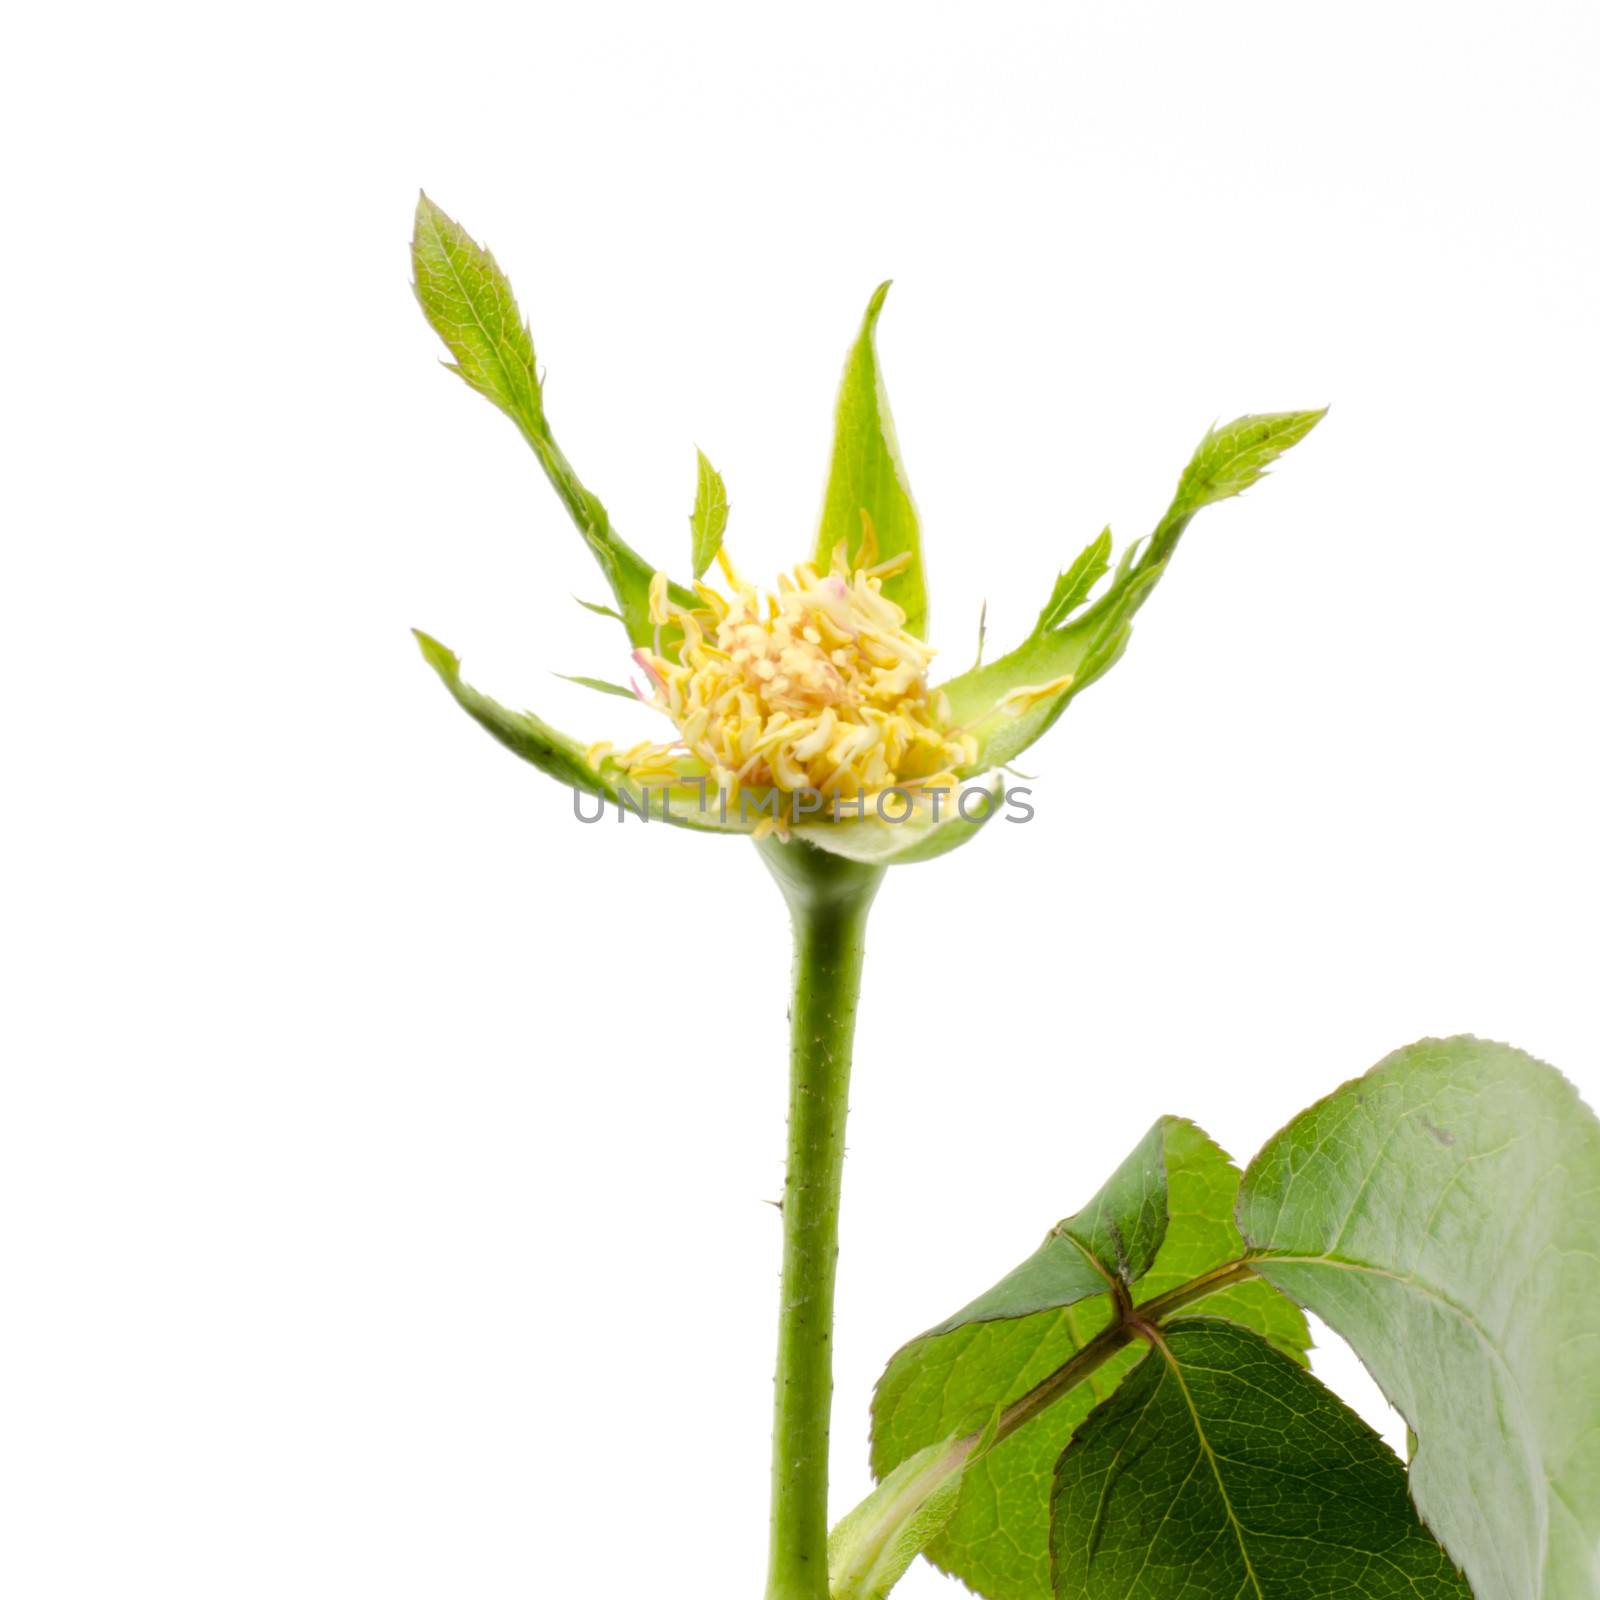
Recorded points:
(384,1153)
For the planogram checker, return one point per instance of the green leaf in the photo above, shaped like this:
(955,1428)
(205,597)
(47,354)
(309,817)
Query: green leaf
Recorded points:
(468,302)
(1112,1241)
(599,610)
(1442,1213)
(1073,586)
(950,1381)
(561,757)
(709,518)
(1081,648)
(867,476)
(1221,1468)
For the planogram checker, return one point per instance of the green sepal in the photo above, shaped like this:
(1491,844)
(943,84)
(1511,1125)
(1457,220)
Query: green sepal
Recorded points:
(1221,1469)
(1073,586)
(599,685)
(469,303)
(709,519)
(559,756)
(900,844)
(866,475)
(1082,645)
(1228,461)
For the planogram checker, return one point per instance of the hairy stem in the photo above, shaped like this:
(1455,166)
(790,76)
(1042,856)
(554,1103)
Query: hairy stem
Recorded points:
(828,898)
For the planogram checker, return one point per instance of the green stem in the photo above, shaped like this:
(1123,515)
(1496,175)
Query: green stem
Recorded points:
(828,898)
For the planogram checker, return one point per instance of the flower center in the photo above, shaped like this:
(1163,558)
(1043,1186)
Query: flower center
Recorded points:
(817,688)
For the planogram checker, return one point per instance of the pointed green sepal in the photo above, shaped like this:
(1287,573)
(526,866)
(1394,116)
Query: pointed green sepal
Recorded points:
(599,685)
(1074,585)
(1008,704)
(468,302)
(709,519)
(561,757)
(867,477)
(1228,461)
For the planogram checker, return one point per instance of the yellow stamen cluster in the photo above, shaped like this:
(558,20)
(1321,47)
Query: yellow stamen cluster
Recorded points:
(817,688)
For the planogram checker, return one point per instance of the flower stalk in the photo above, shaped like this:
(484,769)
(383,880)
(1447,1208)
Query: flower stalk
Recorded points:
(829,898)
